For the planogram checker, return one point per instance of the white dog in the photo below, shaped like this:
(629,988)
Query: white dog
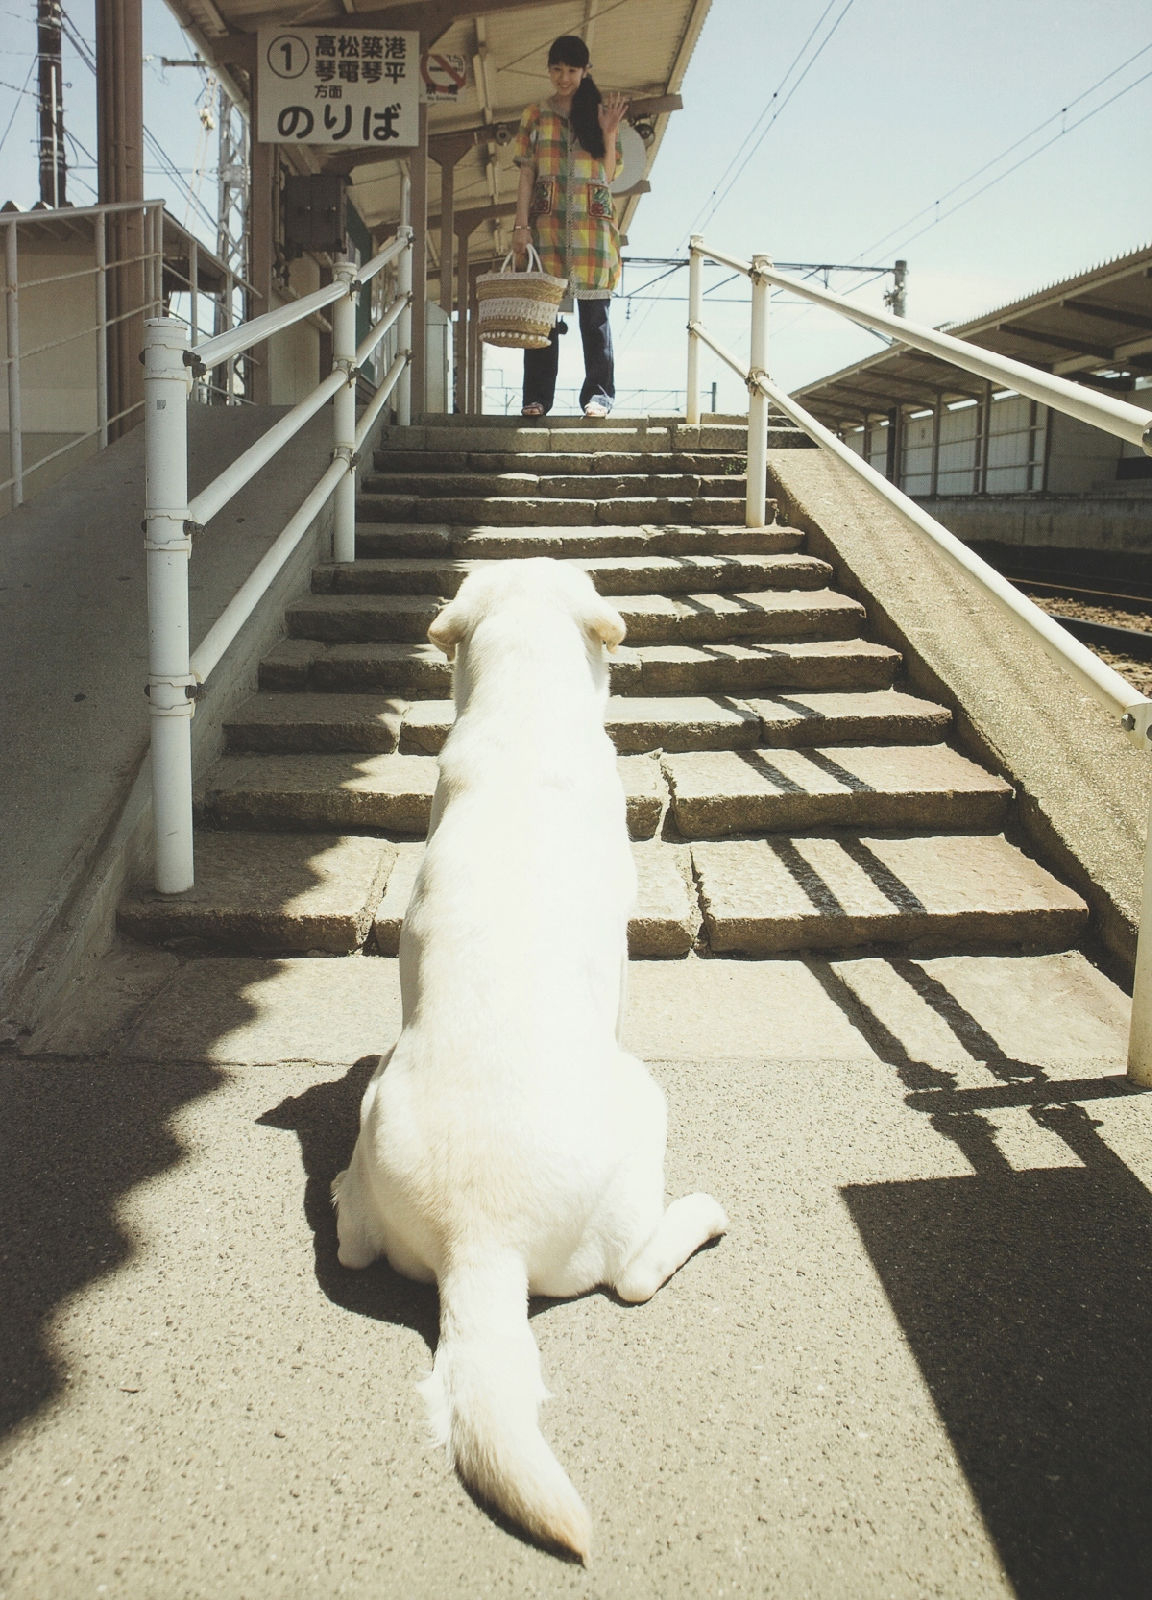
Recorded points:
(508,1146)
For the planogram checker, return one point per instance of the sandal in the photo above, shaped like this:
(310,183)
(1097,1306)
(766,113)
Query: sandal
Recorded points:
(595,408)
(532,409)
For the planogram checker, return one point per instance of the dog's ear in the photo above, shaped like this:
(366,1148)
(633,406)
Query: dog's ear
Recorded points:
(448,627)
(606,623)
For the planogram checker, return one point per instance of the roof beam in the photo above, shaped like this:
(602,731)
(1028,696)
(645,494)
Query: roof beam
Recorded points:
(1093,308)
(1058,341)
(432,18)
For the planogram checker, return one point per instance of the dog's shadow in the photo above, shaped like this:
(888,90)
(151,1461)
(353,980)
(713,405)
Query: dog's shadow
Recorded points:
(326,1119)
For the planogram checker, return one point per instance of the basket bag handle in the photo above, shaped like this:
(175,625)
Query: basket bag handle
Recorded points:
(534,262)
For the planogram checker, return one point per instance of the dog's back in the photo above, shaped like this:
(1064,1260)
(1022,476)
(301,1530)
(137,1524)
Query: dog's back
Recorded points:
(510,1145)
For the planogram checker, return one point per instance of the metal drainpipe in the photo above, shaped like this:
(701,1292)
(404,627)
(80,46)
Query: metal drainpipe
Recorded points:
(168,543)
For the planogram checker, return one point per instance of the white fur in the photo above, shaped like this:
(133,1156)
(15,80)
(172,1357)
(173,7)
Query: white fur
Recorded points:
(508,1145)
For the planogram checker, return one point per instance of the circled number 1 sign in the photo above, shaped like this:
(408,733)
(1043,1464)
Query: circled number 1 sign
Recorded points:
(338,84)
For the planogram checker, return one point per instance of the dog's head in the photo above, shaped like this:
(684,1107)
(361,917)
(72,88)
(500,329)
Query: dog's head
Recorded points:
(537,581)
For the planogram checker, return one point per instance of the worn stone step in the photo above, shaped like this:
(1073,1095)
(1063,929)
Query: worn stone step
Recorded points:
(517,484)
(665,922)
(650,619)
(389,792)
(744,669)
(420,671)
(927,892)
(726,618)
(837,716)
(655,435)
(388,667)
(283,723)
(396,459)
(638,724)
(538,509)
(615,575)
(483,542)
(270,894)
(715,793)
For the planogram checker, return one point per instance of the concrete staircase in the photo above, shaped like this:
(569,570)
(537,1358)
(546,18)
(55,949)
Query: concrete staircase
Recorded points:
(785,792)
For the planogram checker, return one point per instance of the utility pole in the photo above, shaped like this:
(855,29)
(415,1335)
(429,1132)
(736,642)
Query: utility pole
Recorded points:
(51,103)
(897,297)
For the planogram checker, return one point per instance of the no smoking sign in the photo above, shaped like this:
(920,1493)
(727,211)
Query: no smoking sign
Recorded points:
(441,76)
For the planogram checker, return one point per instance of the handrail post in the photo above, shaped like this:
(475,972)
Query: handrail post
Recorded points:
(695,312)
(15,419)
(404,332)
(168,544)
(757,399)
(1140,1027)
(344,413)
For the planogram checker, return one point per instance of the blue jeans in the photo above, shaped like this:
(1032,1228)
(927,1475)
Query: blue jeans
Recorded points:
(599,368)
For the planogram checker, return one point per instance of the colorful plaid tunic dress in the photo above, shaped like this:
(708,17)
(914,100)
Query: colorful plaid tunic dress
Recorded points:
(572,217)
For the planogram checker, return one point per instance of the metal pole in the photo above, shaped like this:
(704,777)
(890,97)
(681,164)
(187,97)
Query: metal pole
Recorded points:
(1140,1028)
(15,419)
(194,290)
(404,388)
(757,399)
(695,311)
(102,327)
(344,412)
(168,544)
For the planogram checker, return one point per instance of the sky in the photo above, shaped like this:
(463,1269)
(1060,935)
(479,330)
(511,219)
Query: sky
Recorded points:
(996,145)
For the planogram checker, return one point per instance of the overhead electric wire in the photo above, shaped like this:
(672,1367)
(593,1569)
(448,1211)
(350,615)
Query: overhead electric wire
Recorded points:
(705,215)
(16,102)
(719,199)
(1015,145)
(168,166)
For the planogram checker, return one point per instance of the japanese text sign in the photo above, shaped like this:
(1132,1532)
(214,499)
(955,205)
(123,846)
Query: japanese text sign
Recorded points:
(338,84)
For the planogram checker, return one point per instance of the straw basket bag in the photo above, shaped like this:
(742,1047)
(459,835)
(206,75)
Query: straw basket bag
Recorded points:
(518,309)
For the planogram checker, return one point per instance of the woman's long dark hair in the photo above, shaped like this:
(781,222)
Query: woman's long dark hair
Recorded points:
(570,51)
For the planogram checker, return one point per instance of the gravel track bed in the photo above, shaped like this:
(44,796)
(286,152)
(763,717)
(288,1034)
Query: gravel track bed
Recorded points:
(1138,673)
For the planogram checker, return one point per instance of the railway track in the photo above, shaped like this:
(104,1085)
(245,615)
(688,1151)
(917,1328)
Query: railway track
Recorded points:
(1115,622)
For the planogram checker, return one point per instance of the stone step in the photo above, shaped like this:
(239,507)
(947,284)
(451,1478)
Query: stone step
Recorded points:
(743,669)
(615,575)
(395,459)
(538,509)
(665,923)
(637,724)
(389,792)
(650,619)
(650,435)
(928,892)
(419,671)
(554,486)
(717,793)
(270,894)
(285,722)
(482,542)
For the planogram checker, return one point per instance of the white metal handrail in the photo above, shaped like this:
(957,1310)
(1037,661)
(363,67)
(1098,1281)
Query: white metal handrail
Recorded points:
(170,362)
(152,271)
(1125,421)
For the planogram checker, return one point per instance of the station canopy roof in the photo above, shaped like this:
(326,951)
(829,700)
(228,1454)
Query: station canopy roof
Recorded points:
(1095,328)
(639,47)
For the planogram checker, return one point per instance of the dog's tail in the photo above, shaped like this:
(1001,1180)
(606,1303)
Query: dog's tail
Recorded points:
(483,1399)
